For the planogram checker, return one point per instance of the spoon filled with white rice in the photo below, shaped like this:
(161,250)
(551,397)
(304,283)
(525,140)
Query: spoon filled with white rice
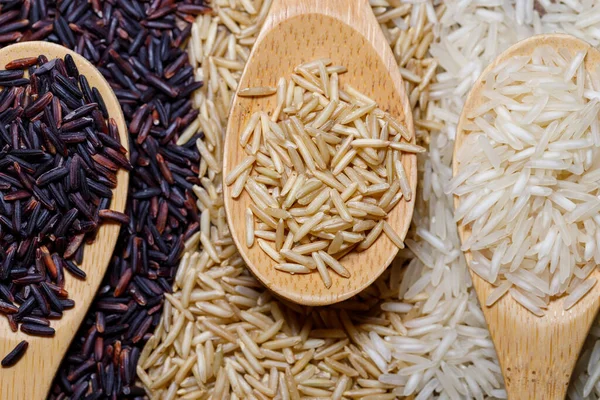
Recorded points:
(527,195)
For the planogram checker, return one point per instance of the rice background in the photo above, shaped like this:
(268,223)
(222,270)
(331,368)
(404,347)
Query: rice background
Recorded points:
(418,330)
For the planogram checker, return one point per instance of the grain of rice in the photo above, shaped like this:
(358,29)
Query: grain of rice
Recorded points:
(279,235)
(292,268)
(581,290)
(322,268)
(336,244)
(270,251)
(298,258)
(334,264)
(263,216)
(249,228)
(276,212)
(257,91)
(311,247)
(372,236)
(267,235)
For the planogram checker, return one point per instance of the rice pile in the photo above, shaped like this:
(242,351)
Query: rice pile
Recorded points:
(528,179)
(322,170)
(418,329)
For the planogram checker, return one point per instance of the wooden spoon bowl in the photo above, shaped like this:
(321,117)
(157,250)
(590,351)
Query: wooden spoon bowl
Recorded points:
(31,377)
(298,31)
(537,354)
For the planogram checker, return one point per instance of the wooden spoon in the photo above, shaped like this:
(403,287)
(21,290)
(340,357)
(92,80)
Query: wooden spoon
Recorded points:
(31,377)
(298,31)
(537,354)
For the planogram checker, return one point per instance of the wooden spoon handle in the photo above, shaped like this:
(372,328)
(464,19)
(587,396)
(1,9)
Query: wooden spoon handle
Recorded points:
(537,355)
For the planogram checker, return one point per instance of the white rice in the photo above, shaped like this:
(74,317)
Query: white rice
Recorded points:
(514,244)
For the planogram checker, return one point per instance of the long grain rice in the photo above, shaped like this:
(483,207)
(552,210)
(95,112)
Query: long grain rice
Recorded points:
(295,200)
(567,151)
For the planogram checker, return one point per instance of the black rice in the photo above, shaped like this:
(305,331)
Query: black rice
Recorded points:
(145,43)
(37,330)
(44,210)
(15,355)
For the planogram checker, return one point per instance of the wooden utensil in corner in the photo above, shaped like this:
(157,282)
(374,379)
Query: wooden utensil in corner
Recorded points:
(537,354)
(31,377)
(298,31)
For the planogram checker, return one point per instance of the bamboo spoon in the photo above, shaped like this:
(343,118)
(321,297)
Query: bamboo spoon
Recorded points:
(297,31)
(31,377)
(537,354)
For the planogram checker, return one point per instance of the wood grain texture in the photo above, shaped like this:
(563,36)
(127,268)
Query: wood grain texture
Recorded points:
(537,354)
(31,377)
(295,32)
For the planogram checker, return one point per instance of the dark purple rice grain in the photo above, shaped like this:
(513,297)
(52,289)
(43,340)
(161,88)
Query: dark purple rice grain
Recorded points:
(37,330)
(74,269)
(41,33)
(38,105)
(28,279)
(16,273)
(114,216)
(10,37)
(51,176)
(70,64)
(8,75)
(67,84)
(79,390)
(80,112)
(13,83)
(15,355)
(115,329)
(77,124)
(45,67)
(100,322)
(7,308)
(63,31)
(67,303)
(73,246)
(14,326)
(41,301)
(9,16)
(87,365)
(111,307)
(72,138)
(36,320)
(51,297)
(6,294)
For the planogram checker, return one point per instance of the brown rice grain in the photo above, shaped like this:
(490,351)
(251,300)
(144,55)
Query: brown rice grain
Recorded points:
(322,268)
(257,91)
(249,228)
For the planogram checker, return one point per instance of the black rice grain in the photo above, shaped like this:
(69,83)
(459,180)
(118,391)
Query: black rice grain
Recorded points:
(37,330)
(15,355)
